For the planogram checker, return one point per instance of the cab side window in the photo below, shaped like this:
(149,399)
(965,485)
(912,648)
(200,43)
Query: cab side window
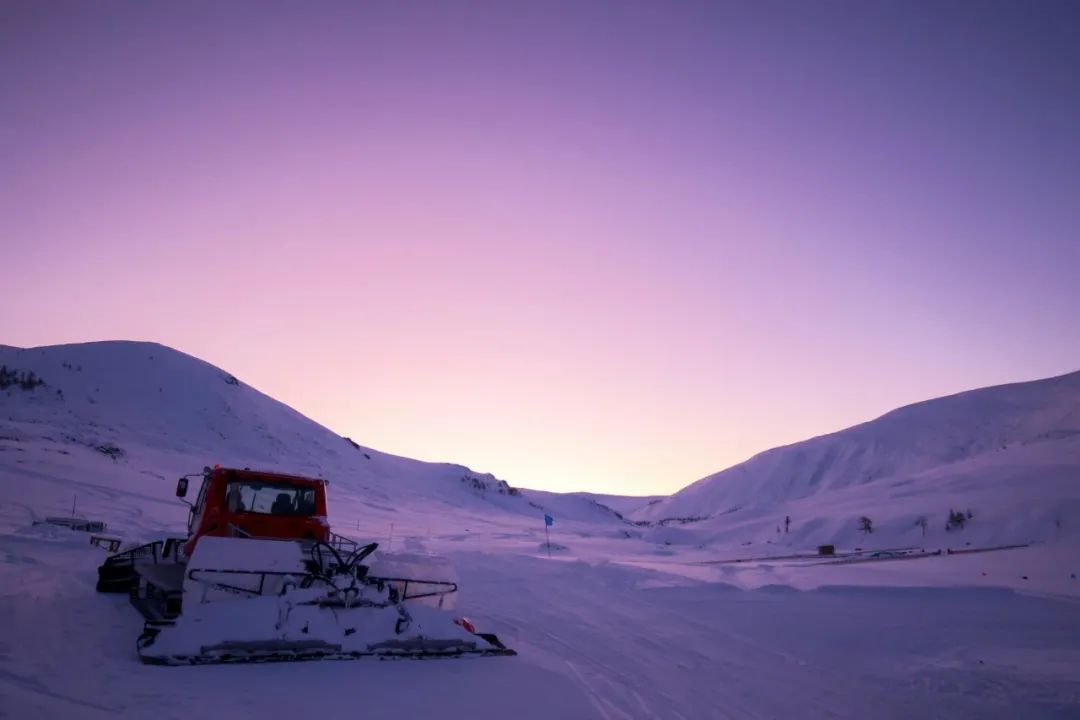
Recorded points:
(202,496)
(197,509)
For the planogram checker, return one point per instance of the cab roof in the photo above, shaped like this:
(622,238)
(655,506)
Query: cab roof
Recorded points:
(248,473)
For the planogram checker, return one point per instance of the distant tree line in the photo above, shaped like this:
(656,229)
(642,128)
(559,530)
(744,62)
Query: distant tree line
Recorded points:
(957,520)
(24,379)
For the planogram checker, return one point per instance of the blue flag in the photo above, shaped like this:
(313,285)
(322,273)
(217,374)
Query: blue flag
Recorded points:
(548,520)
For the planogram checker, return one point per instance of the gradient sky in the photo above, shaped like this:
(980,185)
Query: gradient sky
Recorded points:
(608,246)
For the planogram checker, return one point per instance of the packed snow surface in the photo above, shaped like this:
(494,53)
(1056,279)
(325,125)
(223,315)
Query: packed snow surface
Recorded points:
(702,605)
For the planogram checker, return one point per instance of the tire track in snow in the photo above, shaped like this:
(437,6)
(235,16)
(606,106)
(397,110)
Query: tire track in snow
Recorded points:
(35,686)
(644,712)
(610,673)
(697,638)
(602,705)
(615,688)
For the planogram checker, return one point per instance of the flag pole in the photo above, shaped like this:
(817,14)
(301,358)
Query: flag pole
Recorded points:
(547,538)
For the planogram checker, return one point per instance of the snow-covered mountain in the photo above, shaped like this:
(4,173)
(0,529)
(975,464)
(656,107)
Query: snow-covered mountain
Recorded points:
(623,504)
(147,413)
(98,420)
(611,619)
(1010,453)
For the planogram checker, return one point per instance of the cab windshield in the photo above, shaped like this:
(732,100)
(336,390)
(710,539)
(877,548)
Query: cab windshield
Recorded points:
(269,498)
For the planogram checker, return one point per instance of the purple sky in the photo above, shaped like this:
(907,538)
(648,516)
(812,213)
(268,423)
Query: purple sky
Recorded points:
(611,246)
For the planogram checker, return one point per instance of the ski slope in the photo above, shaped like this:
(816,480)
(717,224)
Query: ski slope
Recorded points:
(623,620)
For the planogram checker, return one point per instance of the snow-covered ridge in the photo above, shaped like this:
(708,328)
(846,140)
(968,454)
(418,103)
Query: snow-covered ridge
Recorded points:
(1013,450)
(622,504)
(147,413)
(155,413)
(610,619)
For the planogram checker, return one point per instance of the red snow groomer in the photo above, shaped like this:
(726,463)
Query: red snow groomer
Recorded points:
(260,577)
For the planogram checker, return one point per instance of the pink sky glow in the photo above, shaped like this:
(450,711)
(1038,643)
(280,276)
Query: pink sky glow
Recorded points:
(585,246)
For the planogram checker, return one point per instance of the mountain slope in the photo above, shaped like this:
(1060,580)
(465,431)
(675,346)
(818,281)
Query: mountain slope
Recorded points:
(611,622)
(126,418)
(1010,446)
(146,413)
